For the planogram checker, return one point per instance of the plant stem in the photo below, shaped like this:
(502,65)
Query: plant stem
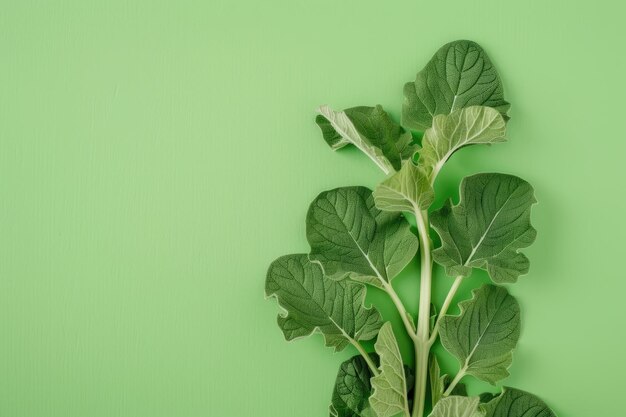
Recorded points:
(455,381)
(422,346)
(444,308)
(365,356)
(358,347)
(401,309)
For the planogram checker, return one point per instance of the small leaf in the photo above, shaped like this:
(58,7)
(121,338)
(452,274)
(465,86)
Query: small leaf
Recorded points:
(390,389)
(313,302)
(407,190)
(487,228)
(371,130)
(483,336)
(352,389)
(457,406)
(517,403)
(459,75)
(349,236)
(463,127)
(437,380)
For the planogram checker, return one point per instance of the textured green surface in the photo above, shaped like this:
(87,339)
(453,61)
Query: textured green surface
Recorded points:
(483,336)
(389,396)
(349,236)
(488,228)
(311,302)
(455,406)
(156,156)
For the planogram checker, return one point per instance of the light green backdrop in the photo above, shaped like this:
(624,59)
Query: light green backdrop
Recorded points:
(156,156)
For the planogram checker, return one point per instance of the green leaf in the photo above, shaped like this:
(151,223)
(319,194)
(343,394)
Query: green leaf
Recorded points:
(457,406)
(491,370)
(349,236)
(516,403)
(313,302)
(463,127)
(483,336)
(485,397)
(352,389)
(390,389)
(487,228)
(437,380)
(459,75)
(371,130)
(407,190)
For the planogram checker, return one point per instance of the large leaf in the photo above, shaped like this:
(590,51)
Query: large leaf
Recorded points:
(313,302)
(352,389)
(459,75)
(457,406)
(350,236)
(483,336)
(390,388)
(371,130)
(516,403)
(487,228)
(463,127)
(407,190)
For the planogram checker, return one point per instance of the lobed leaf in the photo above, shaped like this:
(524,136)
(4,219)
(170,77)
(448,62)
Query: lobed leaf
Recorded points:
(407,190)
(459,75)
(463,127)
(370,129)
(483,336)
(349,236)
(517,403)
(390,388)
(313,302)
(487,228)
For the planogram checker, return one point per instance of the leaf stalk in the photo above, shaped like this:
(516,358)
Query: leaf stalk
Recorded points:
(444,308)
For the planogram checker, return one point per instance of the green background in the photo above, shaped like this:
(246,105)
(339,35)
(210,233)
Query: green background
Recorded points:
(156,156)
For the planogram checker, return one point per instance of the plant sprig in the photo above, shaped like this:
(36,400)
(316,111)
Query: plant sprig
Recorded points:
(360,237)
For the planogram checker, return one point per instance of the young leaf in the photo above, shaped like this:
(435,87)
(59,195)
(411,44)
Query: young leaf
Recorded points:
(487,228)
(407,190)
(352,389)
(517,403)
(350,236)
(483,336)
(437,380)
(459,75)
(390,389)
(314,302)
(449,133)
(456,406)
(371,130)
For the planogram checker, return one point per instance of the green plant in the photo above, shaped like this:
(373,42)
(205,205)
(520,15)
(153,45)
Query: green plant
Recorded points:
(359,237)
